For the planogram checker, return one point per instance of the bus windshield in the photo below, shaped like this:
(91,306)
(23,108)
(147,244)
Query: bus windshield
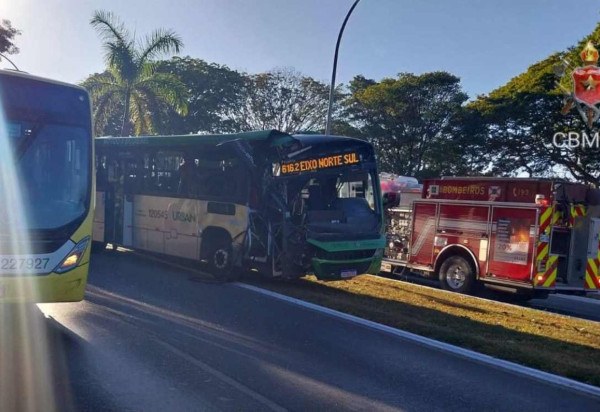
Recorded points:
(48,130)
(335,202)
(53,171)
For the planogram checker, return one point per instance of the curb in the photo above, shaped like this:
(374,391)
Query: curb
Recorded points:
(441,346)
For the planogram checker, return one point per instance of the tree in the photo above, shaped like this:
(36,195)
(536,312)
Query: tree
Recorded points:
(131,82)
(7,36)
(522,117)
(418,124)
(215,93)
(285,100)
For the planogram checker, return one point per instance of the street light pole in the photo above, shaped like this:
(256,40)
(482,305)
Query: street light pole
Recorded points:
(335,58)
(9,60)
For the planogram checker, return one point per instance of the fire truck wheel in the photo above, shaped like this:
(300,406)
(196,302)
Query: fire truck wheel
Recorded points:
(456,275)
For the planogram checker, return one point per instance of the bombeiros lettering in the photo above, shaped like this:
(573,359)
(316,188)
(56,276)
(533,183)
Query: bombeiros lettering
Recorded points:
(463,190)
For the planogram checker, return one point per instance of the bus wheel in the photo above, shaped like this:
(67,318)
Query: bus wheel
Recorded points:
(220,260)
(456,275)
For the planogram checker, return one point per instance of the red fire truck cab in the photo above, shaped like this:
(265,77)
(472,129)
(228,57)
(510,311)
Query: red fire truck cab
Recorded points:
(527,236)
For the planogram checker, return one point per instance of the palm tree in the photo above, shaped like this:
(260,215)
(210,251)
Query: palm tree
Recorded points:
(131,83)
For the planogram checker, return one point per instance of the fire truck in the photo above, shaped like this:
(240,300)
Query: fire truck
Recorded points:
(525,236)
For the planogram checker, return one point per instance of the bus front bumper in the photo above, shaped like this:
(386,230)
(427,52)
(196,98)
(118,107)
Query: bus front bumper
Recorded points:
(346,259)
(333,270)
(67,287)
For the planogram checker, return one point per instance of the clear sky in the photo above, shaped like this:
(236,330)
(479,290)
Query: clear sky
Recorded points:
(484,42)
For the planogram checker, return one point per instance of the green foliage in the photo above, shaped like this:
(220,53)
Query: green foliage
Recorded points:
(131,83)
(418,124)
(7,36)
(522,117)
(285,100)
(214,94)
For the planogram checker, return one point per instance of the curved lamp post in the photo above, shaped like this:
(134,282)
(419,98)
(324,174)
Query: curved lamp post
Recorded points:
(10,61)
(335,58)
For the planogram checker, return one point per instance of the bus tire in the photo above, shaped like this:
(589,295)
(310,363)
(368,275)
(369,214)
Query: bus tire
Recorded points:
(457,275)
(220,259)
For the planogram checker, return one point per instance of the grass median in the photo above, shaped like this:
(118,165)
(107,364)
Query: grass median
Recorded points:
(554,343)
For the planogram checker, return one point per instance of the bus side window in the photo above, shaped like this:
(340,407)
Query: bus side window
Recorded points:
(148,176)
(221,180)
(187,173)
(167,176)
(131,174)
(101,172)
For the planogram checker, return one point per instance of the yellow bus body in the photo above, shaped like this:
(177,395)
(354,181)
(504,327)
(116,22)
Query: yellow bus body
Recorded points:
(53,287)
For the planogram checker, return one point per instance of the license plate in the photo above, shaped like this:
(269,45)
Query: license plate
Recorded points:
(386,267)
(348,273)
(28,264)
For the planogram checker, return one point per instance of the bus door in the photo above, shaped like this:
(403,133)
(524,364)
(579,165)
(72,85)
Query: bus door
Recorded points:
(115,205)
(130,183)
(101,188)
(127,231)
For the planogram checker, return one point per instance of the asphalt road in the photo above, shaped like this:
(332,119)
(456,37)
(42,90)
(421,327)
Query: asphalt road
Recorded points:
(151,337)
(575,306)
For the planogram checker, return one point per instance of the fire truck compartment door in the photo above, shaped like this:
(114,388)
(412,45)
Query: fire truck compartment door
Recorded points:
(423,233)
(512,243)
(594,238)
(582,235)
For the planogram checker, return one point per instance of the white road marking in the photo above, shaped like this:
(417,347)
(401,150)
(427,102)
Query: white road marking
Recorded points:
(444,347)
(466,353)
(224,378)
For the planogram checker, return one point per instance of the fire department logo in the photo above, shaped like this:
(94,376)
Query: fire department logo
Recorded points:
(494,192)
(585,95)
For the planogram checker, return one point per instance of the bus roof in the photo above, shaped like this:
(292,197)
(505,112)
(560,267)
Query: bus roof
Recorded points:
(274,137)
(25,75)
(321,138)
(271,137)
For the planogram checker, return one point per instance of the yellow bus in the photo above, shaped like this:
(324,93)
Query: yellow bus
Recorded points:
(46,189)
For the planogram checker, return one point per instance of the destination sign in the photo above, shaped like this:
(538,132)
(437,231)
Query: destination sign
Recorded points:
(310,165)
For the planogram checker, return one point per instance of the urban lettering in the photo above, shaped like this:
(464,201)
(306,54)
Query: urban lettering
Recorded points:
(183,217)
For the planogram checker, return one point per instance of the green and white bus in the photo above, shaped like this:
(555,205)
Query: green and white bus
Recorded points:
(282,205)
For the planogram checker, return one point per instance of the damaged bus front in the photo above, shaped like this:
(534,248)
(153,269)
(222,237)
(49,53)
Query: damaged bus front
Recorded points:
(321,210)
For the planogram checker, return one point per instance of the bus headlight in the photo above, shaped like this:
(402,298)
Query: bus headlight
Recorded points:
(74,257)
